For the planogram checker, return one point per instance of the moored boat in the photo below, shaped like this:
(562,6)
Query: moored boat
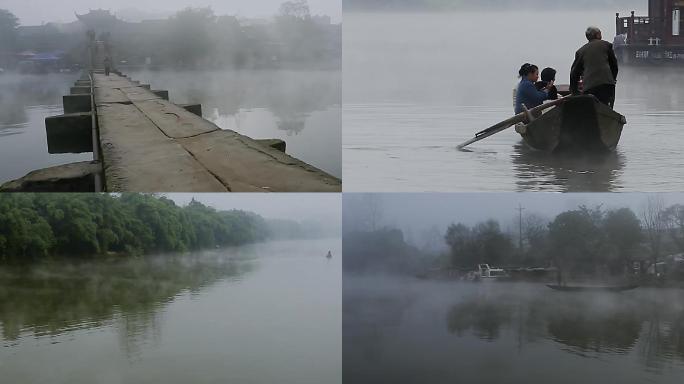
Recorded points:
(580,288)
(579,123)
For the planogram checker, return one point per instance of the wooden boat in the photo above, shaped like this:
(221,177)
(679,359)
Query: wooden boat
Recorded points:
(577,288)
(579,123)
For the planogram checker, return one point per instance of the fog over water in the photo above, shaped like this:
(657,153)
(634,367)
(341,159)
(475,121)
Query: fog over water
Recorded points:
(260,313)
(418,84)
(413,313)
(404,330)
(301,107)
(36,12)
(25,102)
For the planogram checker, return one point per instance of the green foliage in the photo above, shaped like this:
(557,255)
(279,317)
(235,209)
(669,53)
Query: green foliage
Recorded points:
(484,243)
(38,225)
(197,38)
(380,251)
(189,37)
(580,241)
(624,234)
(8,31)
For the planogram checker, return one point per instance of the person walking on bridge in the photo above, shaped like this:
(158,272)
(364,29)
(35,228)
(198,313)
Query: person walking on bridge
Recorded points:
(597,65)
(107,65)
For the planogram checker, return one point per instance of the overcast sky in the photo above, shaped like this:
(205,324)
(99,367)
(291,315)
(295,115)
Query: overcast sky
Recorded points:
(34,12)
(294,206)
(428,209)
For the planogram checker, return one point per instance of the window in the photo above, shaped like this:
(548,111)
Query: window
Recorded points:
(676,19)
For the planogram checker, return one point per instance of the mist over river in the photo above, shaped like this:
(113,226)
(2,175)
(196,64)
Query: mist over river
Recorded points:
(301,107)
(405,330)
(418,84)
(262,313)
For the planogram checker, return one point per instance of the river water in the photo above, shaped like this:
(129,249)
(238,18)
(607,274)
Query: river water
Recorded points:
(25,102)
(407,331)
(268,313)
(301,107)
(417,84)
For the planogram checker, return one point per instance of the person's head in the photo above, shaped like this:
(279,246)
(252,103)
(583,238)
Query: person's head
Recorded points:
(529,71)
(593,33)
(548,74)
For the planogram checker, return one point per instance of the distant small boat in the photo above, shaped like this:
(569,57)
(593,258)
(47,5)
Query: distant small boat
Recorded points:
(579,288)
(329,255)
(579,123)
(487,273)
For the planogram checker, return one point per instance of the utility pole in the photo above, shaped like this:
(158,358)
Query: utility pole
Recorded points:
(520,209)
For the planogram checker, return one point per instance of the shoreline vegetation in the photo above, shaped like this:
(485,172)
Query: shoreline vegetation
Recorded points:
(587,245)
(192,38)
(35,226)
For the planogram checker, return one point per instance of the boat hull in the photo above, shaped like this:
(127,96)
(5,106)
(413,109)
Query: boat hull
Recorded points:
(569,288)
(579,124)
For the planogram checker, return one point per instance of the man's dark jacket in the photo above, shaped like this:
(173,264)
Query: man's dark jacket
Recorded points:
(597,63)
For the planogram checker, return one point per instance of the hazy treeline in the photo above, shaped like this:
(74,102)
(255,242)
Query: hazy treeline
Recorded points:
(583,241)
(39,225)
(488,4)
(194,38)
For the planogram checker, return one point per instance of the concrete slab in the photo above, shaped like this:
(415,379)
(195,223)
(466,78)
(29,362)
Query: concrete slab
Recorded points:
(74,177)
(245,165)
(175,121)
(137,157)
(110,95)
(151,145)
(139,94)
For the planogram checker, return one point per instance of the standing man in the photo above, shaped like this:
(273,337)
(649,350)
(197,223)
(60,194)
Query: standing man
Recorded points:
(107,65)
(596,63)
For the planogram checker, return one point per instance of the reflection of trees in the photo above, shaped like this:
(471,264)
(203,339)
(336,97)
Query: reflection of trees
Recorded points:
(292,96)
(51,299)
(648,322)
(663,335)
(292,124)
(20,91)
(366,320)
(586,329)
(484,317)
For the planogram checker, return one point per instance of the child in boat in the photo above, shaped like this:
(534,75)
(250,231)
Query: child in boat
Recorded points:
(527,93)
(548,75)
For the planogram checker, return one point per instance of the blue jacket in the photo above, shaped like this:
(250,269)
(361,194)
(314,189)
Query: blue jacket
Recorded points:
(527,94)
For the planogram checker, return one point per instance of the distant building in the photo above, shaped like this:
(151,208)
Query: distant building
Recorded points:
(658,37)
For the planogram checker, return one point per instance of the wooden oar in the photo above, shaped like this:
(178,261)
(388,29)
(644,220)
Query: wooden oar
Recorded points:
(519,118)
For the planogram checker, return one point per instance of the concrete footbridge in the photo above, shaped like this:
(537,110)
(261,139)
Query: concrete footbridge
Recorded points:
(141,142)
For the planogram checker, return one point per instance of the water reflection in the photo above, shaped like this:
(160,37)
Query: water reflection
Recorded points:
(301,107)
(539,171)
(25,102)
(442,100)
(55,298)
(388,336)
(582,323)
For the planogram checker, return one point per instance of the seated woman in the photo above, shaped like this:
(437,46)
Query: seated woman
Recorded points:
(548,75)
(527,93)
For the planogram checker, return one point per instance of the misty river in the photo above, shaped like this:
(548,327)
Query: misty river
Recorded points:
(418,84)
(301,107)
(266,313)
(403,330)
